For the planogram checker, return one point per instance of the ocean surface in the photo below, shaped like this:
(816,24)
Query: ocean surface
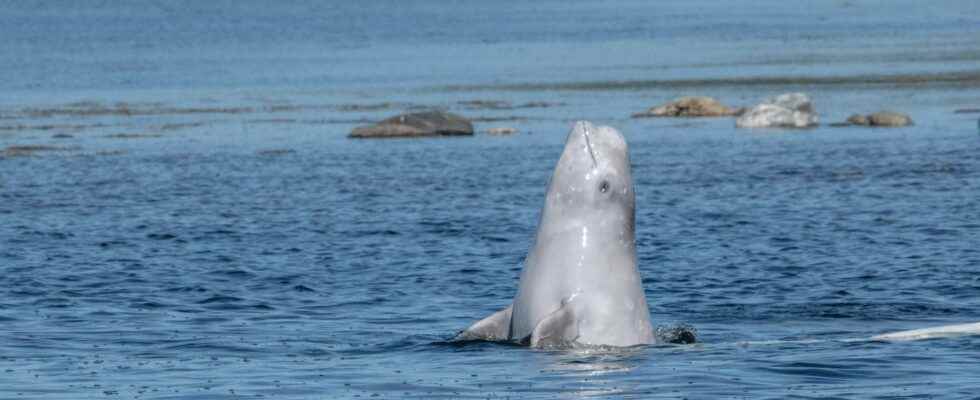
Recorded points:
(183,217)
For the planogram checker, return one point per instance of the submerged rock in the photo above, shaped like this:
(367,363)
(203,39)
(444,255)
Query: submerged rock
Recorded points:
(486,104)
(428,123)
(275,152)
(31,149)
(501,131)
(133,135)
(504,105)
(881,118)
(692,106)
(790,110)
(540,104)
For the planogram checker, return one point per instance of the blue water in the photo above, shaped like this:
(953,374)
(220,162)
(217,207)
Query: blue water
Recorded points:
(201,227)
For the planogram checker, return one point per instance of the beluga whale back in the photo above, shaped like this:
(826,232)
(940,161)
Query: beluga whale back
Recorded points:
(580,284)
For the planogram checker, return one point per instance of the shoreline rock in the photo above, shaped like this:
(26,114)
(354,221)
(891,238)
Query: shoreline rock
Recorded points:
(420,124)
(504,105)
(501,131)
(790,110)
(23,150)
(889,119)
(690,106)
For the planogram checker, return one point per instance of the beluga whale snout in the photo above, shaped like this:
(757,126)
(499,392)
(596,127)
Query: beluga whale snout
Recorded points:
(580,284)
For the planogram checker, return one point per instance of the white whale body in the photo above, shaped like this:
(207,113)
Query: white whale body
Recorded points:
(931,333)
(935,332)
(580,284)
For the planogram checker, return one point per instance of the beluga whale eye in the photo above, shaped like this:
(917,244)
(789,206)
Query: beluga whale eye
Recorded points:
(604,186)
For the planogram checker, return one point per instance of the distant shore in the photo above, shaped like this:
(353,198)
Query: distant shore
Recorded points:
(958,78)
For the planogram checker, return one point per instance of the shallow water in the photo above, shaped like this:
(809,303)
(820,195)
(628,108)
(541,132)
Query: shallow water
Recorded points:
(204,229)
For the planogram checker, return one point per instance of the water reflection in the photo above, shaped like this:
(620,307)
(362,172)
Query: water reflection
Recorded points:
(596,371)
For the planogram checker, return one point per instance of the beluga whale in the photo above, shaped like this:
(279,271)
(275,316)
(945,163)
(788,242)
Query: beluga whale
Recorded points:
(580,285)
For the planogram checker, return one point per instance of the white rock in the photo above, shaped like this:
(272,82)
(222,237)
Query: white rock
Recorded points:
(791,110)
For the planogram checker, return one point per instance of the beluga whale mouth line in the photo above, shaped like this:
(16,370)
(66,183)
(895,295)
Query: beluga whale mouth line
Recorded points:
(588,144)
(580,285)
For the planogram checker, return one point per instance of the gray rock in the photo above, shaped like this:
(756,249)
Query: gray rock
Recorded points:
(791,110)
(692,106)
(881,118)
(428,123)
(890,119)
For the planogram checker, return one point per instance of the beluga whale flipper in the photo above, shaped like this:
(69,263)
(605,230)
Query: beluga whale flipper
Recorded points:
(580,284)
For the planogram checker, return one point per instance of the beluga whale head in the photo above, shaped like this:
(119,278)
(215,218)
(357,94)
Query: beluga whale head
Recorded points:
(591,187)
(580,284)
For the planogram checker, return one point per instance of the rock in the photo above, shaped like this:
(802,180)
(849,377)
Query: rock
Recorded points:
(501,131)
(365,107)
(889,119)
(486,104)
(510,118)
(695,106)
(504,105)
(540,104)
(428,123)
(881,118)
(857,119)
(791,110)
(30,150)
(275,152)
(133,135)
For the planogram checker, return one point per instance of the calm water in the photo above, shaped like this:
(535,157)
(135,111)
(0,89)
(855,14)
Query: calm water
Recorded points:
(200,226)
